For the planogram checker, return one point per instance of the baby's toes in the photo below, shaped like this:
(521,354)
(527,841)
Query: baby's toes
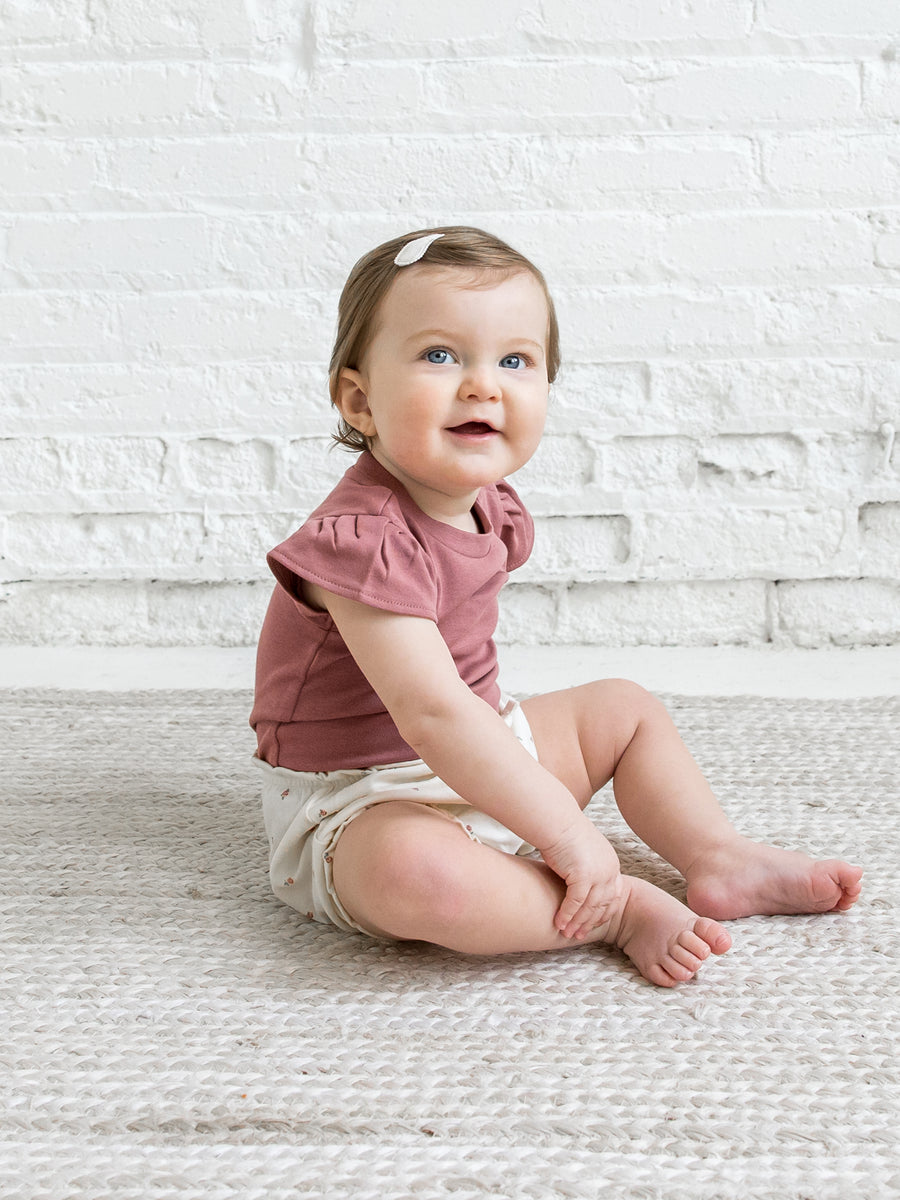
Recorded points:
(850,893)
(669,973)
(713,935)
(687,950)
(851,881)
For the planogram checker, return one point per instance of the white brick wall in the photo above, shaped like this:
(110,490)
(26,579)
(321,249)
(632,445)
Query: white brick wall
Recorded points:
(713,190)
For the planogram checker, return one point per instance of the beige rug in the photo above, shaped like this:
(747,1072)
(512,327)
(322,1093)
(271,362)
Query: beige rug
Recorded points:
(169,1030)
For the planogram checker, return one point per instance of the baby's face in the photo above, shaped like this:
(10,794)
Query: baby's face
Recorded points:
(453,386)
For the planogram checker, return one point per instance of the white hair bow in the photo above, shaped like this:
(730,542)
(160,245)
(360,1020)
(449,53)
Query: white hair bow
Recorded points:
(415,249)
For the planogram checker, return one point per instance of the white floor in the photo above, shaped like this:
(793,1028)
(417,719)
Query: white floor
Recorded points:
(868,671)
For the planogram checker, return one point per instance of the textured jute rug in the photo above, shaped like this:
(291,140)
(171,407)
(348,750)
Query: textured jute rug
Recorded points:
(170,1030)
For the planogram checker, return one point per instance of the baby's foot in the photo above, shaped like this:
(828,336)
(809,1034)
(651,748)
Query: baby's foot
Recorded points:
(665,941)
(745,879)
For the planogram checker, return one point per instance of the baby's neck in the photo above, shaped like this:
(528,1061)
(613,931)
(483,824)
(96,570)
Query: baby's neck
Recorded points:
(467,521)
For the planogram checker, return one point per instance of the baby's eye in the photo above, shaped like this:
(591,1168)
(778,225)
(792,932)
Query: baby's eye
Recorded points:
(438,356)
(514,362)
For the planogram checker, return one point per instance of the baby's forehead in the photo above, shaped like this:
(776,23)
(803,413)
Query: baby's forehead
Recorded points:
(423,284)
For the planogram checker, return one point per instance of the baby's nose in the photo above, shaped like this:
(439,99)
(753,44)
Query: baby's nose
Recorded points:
(481,383)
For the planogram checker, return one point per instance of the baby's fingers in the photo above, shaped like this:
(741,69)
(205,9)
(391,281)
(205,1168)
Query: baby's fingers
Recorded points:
(579,913)
(566,919)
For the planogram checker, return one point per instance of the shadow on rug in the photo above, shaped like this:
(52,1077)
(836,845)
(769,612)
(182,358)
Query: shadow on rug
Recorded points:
(172,1030)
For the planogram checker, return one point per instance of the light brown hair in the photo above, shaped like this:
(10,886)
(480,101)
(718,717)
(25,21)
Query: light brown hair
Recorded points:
(368,283)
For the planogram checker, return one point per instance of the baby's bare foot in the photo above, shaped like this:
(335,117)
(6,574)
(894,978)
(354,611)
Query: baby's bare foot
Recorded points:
(666,941)
(744,879)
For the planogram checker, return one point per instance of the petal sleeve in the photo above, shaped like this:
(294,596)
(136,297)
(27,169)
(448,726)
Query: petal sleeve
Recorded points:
(364,557)
(516,527)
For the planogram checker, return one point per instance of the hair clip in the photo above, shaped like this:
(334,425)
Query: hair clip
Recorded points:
(415,249)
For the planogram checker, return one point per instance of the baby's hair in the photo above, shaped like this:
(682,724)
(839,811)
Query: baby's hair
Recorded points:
(368,283)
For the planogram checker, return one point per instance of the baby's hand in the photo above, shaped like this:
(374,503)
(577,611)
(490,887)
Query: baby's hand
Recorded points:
(588,866)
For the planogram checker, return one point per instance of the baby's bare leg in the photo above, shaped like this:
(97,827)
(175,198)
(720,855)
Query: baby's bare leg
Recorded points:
(615,729)
(405,871)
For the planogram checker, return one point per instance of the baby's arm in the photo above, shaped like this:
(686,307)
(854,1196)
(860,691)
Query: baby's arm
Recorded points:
(471,748)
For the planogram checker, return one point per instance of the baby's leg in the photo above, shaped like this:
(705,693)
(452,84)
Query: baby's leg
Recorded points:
(615,729)
(405,871)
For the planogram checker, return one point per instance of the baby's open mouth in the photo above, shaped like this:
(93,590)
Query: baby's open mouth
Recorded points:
(471,428)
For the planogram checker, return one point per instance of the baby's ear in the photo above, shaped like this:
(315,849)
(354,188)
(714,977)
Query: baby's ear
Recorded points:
(352,402)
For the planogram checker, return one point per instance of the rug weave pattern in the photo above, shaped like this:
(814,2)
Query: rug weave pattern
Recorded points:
(169,1029)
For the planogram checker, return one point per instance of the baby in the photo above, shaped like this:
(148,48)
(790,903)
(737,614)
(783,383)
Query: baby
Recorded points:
(404,796)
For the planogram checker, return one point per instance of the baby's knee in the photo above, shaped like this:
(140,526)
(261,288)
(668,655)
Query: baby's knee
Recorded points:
(401,875)
(630,701)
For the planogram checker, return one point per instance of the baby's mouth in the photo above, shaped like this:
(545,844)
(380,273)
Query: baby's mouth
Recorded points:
(473,428)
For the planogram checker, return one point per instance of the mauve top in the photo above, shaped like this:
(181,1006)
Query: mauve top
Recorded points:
(314,709)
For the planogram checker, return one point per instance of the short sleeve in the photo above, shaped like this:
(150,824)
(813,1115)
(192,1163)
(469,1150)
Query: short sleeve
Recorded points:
(365,557)
(515,527)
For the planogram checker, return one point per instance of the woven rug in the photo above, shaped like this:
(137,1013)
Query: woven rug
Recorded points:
(170,1030)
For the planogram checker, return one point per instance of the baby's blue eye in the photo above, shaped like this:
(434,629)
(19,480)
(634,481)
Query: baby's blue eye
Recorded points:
(438,357)
(514,362)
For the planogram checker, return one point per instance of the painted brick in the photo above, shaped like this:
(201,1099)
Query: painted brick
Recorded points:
(271,398)
(747,247)
(758,396)
(28,465)
(848,320)
(344,95)
(272,251)
(861,168)
(112,464)
(479,172)
(89,97)
(591,248)
(58,326)
(745,93)
(48,173)
(843,464)
(829,16)
(566,171)
(561,466)
(645,467)
(233,468)
(223,614)
(881,84)
(839,612)
(168,26)
(599,398)
(577,548)
(29,27)
(367,26)
(663,614)
(216,98)
(632,21)
(90,613)
(182,327)
(311,468)
(141,613)
(740,464)
(887,250)
(657,321)
(527,615)
(882,384)
(268,173)
(100,251)
(744,543)
(580,95)
(879,536)
(103,545)
(235,544)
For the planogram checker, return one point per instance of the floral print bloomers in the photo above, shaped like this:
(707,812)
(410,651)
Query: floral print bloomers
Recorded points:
(305,813)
